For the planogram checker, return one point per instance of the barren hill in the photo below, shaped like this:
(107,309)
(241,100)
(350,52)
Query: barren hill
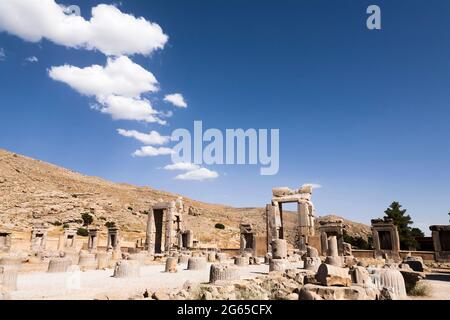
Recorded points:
(32,190)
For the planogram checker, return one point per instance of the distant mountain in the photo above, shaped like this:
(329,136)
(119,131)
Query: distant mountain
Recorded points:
(32,190)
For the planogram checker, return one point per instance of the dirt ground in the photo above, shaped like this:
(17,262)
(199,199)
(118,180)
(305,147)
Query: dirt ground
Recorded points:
(99,284)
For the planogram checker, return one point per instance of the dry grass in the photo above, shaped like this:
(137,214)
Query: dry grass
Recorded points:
(421,289)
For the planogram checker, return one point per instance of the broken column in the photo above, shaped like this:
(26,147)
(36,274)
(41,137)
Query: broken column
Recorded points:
(59,265)
(127,269)
(333,257)
(223,272)
(171,265)
(279,255)
(196,263)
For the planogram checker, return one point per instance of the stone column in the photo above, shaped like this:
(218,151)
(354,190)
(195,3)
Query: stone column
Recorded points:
(150,233)
(169,227)
(243,243)
(189,239)
(271,213)
(303,219)
(332,247)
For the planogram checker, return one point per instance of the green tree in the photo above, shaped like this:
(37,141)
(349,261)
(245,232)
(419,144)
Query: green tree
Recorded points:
(403,222)
(87,219)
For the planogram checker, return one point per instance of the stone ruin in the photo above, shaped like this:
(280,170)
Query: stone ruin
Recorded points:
(93,239)
(441,241)
(247,239)
(331,228)
(305,211)
(165,230)
(386,240)
(67,241)
(5,241)
(38,237)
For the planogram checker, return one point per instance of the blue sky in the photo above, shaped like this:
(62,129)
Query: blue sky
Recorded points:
(363,113)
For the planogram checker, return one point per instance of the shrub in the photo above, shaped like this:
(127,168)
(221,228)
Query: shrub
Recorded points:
(421,289)
(219,226)
(83,232)
(87,219)
(110,224)
(57,223)
(66,226)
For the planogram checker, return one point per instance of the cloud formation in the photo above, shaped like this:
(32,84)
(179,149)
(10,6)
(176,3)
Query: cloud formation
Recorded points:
(32,59)
(152,138)
(200,174)
(117,87)
(34,20)
(193,172)
(176,99)
(184,166)
(313,185)
(149,151)
(120,76)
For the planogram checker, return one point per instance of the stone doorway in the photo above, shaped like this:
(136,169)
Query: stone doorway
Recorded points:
(158,215)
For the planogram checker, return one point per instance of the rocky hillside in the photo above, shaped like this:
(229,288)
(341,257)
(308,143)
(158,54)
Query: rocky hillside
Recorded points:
(32,190)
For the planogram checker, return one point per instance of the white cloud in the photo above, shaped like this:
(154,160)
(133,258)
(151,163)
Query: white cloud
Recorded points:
(198,175)
(120,76)
(2,54)
(152,138)
(313,185)
(32,59)
(149,151)
(123,108)
(184,166)
(176,99)
(117,87)
(109,30)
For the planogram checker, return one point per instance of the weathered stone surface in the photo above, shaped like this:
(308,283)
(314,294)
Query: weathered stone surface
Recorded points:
(103,260)
(183,258)
(127,269)
(87,261)
(171,265)
(416,263)
(312,263)
(278,265)
(317,292)
(329,275)
(221,257)
(8,277)
(211,257)
(279,249)
(241,261)
(197,263)
(140,257)
(389,278)
(360,275)
(59,264)
(223,272)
